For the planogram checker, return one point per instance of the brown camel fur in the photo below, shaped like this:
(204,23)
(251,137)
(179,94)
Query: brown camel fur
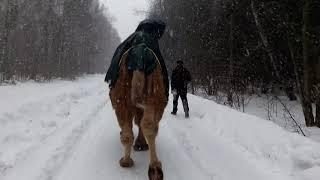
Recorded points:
(141,98)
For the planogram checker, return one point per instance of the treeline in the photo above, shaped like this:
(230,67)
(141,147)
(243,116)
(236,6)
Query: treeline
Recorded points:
(247,46)
(45,39)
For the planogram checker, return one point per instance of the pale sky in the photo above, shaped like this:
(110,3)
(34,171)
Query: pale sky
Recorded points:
(126,20)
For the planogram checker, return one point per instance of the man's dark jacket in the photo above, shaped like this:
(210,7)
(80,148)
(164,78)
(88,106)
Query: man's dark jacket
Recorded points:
(146,36)
(180,79)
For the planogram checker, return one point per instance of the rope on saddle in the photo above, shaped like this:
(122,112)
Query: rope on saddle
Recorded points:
(127,52)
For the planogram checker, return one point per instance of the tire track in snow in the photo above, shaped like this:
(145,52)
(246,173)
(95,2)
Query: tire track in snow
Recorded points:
(44,104)
(174,128)
(185,142)
(62,154)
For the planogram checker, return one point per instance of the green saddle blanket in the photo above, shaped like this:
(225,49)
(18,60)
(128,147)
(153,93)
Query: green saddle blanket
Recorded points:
(143,54)
(141,58)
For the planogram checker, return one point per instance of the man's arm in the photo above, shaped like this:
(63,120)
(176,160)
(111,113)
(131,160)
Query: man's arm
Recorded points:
(188,76)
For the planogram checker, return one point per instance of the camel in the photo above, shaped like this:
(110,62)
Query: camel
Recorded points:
(140,98)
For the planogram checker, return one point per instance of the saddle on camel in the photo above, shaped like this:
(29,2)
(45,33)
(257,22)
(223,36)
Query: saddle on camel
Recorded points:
(139,89)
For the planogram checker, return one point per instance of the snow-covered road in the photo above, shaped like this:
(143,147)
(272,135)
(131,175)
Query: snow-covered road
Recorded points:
(68,131)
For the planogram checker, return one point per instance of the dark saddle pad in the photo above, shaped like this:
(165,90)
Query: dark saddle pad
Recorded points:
(141,58)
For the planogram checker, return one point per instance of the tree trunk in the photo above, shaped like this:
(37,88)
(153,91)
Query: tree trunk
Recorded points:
(309,57)
(231,61)
(5,64)
(317,91)
(264,40)
(306,105)
(9,25)
(296,65)
(318,111)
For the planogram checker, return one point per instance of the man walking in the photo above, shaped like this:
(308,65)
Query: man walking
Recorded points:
(179,87)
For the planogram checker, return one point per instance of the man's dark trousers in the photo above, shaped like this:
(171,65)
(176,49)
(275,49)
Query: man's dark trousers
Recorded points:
(183,96)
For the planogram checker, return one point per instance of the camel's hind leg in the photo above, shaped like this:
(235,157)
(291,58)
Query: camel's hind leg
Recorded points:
(125,118)
(140,143)
(150,126)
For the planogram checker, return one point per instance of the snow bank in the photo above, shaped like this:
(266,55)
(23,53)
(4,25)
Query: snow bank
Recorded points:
(263,140)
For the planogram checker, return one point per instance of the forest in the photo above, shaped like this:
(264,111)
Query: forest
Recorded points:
(240,47)
(234,48)
(198,89)
(46,39)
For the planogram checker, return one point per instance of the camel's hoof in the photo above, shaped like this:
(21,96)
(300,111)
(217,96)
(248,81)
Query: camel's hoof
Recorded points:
(155,172)
(126,163)
(141,147)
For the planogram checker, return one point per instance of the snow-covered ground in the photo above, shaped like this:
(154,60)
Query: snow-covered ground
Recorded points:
(278,109)
(67,130)
(270,108)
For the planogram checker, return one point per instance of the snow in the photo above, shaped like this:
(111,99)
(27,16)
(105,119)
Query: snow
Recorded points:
(67,130)
(258,106)
(269,107)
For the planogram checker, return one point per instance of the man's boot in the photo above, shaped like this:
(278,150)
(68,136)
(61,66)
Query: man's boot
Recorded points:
(187,114)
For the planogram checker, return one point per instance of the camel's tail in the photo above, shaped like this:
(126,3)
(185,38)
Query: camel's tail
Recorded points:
(146,77)
(138,88)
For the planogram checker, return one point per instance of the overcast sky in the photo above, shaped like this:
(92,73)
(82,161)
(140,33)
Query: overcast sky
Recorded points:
(126,20)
